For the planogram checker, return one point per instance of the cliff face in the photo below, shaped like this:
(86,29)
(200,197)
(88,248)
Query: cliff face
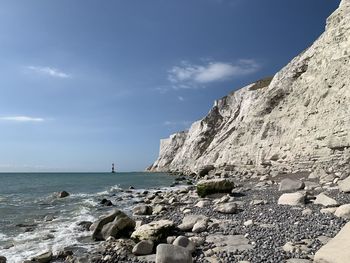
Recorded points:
(297,120)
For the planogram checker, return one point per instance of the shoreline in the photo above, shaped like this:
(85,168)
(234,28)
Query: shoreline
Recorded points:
(245,225)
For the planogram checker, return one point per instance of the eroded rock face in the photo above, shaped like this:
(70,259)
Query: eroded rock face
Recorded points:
(297,120)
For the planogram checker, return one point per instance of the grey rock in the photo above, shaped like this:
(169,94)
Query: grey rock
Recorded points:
(289,185)
(213,186)
(44,258)
(144,247)
(183,241)
(343,211)
(323,199)
(142,210)
(293,199)
(227,208)
(344,185)
(115,224)
(337,249)
(172,254)
(189,221)
(155,231)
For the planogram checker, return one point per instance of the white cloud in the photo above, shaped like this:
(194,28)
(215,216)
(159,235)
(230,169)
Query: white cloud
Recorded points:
(180,98)
(190,76)
(49,71)
(178,123)
(21,119)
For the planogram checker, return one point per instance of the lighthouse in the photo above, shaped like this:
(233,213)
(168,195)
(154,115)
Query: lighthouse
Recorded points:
(113,171)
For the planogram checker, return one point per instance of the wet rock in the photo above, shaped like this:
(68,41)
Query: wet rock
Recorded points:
(106,202)
(142,210)
(293,199)
(172,254)
(63,194)
(115,224)
(213,186)
(3,259)
(155,231)
(85,225)
(43,258)
(49,218)
(289,185)
(183,241)
(144,247)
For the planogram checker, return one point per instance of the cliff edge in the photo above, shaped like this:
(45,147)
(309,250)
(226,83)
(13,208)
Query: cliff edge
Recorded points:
(295,121)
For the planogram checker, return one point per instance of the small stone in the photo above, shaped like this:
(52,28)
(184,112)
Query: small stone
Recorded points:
(200,226)
(142,210)
(328,210)
(248,223)
(306,212)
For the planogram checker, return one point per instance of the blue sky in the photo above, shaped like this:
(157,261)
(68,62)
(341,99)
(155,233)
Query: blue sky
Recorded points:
(86,83)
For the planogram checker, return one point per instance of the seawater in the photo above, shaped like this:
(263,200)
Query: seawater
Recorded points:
(26,198)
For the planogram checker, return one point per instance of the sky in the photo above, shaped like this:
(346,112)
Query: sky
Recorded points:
(85,83)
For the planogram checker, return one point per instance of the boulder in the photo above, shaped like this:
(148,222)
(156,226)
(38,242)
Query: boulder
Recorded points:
(183,241)
(344,185)
(62,194)
(290,185)
(227,208)
(343,211)
(106,202)
(142,210)
(2,259)
(337,249)
(43,258)
(144,247)
(115,224)
(189,221)
(85,225)
(293,199)
(325,200)
(172,254)
(155,231)
(213,186)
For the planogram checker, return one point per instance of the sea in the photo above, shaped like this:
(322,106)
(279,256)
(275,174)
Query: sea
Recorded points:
(33,220)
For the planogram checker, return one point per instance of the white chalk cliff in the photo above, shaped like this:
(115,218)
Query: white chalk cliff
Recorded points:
(297,120)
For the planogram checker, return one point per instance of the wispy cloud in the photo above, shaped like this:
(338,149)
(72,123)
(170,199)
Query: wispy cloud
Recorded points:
(187,75)
(180,98)
(49,71)
(178,123)
(21,119)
